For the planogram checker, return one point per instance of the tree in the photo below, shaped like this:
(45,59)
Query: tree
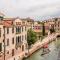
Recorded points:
(43,29)
(38,22)
(31,37)
(52,30)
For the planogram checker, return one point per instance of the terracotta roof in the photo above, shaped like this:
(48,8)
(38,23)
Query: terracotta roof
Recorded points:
(7,23)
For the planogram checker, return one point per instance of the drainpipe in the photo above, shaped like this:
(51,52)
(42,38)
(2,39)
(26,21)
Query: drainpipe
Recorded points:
(4,43)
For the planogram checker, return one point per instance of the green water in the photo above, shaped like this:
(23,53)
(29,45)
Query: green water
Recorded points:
(52,55)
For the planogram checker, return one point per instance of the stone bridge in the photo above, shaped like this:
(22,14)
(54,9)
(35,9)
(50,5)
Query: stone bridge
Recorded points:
(39,45)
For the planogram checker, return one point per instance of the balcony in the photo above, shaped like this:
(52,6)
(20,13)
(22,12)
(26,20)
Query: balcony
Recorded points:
(18,45)
(18,32)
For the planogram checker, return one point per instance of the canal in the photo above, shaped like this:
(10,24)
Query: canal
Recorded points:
(52,55)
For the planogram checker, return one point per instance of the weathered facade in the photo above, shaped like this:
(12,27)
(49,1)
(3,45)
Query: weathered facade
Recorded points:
(13,33)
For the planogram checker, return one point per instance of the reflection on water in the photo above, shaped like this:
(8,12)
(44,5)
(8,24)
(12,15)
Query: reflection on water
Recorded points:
(52,55)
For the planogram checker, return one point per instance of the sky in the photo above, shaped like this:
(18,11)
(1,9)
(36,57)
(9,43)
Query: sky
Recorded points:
(35,9)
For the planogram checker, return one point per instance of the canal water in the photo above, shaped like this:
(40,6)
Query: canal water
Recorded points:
(52,55)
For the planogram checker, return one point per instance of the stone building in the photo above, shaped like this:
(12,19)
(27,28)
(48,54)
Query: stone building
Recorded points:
(13,33)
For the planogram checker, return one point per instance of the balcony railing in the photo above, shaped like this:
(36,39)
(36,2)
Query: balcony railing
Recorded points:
(18,45)
(18,32)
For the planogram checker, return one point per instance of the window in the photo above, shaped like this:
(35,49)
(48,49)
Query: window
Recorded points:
(18,39)
(58,28)
(55,25)
(38,27)
(7,42)
(25,37)
(12,29)
(13,40)
(18,29)
(7,30)
(26,46)
(12,52)
(0,32)
(18,23)
(22,29)
(3,40)
(8,52)
(22,37)
(22,47)
(0,47)
(58,25)
(14,58)
(25,28)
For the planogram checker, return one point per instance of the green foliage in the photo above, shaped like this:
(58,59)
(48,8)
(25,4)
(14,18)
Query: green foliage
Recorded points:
(52,30)
(31,37)
(39,22)
(1,17)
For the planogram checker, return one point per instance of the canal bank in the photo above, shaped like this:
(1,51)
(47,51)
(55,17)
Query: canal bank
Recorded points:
(39,45)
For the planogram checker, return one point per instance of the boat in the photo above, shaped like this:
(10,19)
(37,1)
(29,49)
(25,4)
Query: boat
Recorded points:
(45,50)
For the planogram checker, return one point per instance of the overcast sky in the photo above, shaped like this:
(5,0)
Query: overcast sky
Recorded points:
(37,9)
